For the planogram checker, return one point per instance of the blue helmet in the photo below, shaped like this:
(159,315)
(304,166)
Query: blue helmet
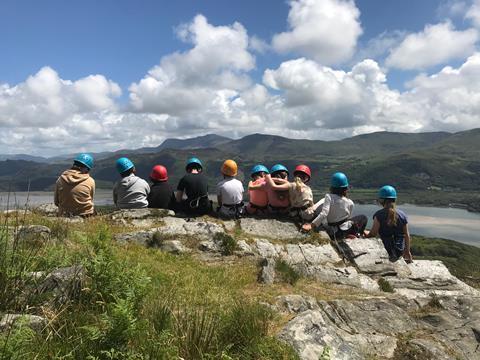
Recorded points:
(85,159)
(278,167)
(387,192)
(123,164)
(259,168)
(194,160)
(339,180)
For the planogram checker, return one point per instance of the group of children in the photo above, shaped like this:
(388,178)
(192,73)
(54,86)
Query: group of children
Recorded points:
(270,194)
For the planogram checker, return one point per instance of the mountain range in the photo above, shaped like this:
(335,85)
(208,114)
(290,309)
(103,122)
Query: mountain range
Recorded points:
(416,161)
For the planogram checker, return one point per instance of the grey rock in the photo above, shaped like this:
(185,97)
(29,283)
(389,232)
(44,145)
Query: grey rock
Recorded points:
(174,247)
(370,256)
(73,220)
(265,249)
(16,212)
(35,322)
(203,229)
(347,276)
(296,303)
(139,237)
(244,249)
(33,234)
(269,228)
(230,225)
(427,277)
(311,254)
(209,246)
(66,283)
(139,214)
(47,209)
(310,334)
(428,349)
(267,273)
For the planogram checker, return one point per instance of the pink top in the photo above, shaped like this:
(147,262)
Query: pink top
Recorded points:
(277,198)
(259,197)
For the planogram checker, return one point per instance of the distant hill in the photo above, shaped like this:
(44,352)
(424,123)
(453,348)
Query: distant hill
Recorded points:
(408,161)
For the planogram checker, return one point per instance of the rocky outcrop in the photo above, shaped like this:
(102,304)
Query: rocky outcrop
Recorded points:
(360,329)
(64,284)
(33,234)
(428,314)
(35,322)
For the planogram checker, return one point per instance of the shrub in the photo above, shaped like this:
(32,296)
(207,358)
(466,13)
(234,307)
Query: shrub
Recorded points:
(243,326)
(385,286)
(286,273)
(228,244)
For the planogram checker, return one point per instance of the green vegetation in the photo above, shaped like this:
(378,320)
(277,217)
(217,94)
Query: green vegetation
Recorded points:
(384,285)
(427,168)
(285,273)
(134,302)
(227,242)
(460,259)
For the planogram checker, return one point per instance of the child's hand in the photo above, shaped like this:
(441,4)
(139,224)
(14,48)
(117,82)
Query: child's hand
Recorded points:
(310,210)
(407,255)
(307,227)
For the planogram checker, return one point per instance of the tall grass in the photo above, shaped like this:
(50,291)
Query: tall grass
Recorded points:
(133,307)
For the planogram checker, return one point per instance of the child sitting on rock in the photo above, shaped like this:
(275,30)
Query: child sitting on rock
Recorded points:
(392,226)
(257,190)
(131,191)
(278,200)
(161,195)
(336,212)
(230,192)
(299,193)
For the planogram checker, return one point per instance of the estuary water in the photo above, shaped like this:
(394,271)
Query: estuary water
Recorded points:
(448,223)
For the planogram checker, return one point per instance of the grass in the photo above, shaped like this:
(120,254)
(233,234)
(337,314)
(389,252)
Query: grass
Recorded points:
(285,273)
(385,286)
(140,303)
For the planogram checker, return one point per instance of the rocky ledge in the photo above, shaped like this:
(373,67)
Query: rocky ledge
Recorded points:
(417,310)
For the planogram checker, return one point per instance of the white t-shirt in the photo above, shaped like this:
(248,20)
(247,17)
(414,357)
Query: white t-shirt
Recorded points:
(335,209)
(231,191)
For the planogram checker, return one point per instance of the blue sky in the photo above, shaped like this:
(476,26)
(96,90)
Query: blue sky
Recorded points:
(104,69)
(124,39)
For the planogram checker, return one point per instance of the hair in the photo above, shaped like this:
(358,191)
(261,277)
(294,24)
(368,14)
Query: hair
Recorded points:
(258,175)
(128,172)
(340,191)
(79,166)
(390,205)
(193,166)
(276,174)
(299,184)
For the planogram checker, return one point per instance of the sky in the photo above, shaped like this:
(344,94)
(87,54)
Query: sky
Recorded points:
(104,75)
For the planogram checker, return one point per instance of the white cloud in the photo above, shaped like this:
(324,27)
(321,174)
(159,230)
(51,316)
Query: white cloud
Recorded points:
(207,89)
(45,99)
(377,47)
(185,82)
(323,30)
(435,45)
(473,13)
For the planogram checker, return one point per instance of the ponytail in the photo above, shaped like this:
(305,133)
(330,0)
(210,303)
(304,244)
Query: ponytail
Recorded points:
(392,218)
(299,183)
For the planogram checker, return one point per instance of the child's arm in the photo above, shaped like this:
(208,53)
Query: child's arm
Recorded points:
(374,230)
(407,255)
(274,186)
(254,187)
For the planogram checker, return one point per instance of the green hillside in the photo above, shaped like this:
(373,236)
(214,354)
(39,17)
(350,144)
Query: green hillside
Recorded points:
(422,163)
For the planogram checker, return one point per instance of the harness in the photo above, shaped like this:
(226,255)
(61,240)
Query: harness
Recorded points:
(195,203)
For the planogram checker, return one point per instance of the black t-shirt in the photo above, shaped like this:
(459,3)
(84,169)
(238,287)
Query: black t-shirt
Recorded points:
(161,196)
(193,185)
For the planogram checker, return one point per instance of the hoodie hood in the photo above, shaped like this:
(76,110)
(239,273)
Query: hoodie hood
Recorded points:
(129,181)
(74,177)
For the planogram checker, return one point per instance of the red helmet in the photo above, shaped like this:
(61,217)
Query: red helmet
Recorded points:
(159,173)
(304,169)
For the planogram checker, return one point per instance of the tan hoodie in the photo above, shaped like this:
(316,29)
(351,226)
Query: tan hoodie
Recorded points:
(74,193)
